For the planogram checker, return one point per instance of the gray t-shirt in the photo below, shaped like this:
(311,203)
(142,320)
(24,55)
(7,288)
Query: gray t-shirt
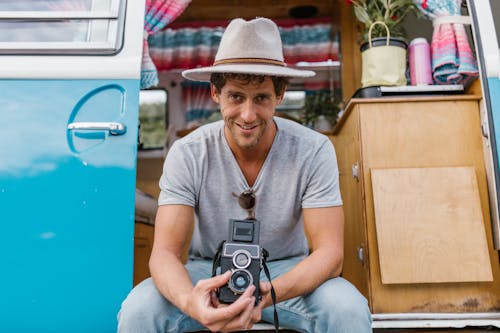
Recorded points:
(300,171)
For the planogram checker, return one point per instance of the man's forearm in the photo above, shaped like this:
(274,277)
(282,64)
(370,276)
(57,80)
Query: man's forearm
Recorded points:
(324,227)
(307,275)
(171,278)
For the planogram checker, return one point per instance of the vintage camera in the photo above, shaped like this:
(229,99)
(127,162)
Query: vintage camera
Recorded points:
(242,255)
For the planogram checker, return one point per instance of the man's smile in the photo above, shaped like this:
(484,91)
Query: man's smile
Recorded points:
(247,128)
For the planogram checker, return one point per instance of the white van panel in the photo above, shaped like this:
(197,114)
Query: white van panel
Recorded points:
(123,65)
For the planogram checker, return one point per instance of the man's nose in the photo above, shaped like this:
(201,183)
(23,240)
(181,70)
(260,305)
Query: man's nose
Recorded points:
(248,112)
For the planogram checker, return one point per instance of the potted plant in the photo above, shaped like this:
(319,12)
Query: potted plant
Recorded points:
(321,110)
(383,52)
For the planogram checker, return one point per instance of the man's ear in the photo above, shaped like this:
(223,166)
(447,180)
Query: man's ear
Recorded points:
(214,93)
(281,96)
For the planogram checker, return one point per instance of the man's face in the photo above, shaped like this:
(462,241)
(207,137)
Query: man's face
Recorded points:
(248,109)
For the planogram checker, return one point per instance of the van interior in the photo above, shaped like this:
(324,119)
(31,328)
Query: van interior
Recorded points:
(175,107)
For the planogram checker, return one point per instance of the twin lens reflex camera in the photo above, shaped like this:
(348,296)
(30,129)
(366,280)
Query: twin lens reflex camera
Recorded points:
(241,253)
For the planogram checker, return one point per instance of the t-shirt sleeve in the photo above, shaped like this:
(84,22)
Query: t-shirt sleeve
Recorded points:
(323,180)
(177,181)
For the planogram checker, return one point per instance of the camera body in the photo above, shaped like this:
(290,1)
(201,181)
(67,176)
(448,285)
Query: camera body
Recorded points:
(242,255)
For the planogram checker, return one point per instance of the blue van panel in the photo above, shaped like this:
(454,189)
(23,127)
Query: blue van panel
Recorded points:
(66,204)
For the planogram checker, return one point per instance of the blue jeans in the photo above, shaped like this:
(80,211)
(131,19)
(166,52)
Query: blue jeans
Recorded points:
(335,306)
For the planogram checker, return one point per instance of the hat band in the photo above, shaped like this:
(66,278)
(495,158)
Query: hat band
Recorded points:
(249,60)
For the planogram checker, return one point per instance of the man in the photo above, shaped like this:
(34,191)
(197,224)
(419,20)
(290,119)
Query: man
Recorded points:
(292,172)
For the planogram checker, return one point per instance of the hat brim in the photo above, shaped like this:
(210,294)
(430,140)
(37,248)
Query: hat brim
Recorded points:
(203,73)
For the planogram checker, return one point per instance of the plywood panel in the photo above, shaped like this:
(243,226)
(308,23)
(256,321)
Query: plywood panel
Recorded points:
(429,225)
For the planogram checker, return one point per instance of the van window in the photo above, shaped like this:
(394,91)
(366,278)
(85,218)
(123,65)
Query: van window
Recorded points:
(61,26)
(153,119)
(292,105)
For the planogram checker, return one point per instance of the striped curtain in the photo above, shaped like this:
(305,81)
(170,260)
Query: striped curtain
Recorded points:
(188,45)
(158,14)
(453,61)
(183,46)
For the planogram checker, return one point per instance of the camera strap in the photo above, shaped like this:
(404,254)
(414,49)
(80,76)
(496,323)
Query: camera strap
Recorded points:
(265,254)
(216,262)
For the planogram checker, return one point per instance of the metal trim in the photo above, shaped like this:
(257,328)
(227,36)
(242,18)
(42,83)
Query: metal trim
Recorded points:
(435,320)
(63,15)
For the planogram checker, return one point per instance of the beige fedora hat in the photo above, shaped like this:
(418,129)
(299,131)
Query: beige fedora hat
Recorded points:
(249,47)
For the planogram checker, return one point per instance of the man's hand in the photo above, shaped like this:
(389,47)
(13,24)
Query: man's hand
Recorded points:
(265,301)
(205,308)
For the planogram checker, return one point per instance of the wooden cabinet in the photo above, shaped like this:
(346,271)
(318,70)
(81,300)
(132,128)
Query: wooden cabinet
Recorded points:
(143,244)
(417,227)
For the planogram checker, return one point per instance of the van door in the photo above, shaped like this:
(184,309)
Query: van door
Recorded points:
(485,28)
(69,90)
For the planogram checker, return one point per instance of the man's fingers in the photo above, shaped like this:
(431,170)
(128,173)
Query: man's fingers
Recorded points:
(234,309)
(257,313)
(265,287)
(243,320)
(228,313)
(215,282)
(227,317)
(214,300)
(216,318)
(249,291)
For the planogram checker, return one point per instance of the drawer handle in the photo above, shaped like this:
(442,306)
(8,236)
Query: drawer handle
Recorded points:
(360,254)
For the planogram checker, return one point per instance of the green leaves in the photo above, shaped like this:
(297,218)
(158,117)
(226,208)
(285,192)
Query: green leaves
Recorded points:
(362,15)
(391,12)
(320,103)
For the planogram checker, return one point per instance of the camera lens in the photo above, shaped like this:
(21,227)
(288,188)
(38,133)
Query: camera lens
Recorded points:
(241,259)
(240,280)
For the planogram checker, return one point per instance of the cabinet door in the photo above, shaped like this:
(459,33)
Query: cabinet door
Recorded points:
(143,245)
(426,134)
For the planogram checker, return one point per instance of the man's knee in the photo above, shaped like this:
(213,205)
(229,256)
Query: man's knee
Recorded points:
(341,301)
(142,309)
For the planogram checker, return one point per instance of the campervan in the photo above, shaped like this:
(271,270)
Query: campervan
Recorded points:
(82,144)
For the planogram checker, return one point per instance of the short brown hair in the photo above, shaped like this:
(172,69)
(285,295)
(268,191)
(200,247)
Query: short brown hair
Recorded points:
(220,79)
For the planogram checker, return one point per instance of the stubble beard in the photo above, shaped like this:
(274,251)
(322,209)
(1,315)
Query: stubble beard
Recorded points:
(241,140)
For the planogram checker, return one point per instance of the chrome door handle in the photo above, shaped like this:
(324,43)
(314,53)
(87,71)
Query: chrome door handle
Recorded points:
(112,127)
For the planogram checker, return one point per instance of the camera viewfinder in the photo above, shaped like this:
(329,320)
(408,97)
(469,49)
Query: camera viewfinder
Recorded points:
(243,231)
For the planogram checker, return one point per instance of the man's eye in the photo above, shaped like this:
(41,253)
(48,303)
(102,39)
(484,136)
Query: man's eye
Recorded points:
(236,97)
(261,98)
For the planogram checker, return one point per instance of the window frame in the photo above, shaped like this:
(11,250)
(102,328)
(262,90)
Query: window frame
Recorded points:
(113,20)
